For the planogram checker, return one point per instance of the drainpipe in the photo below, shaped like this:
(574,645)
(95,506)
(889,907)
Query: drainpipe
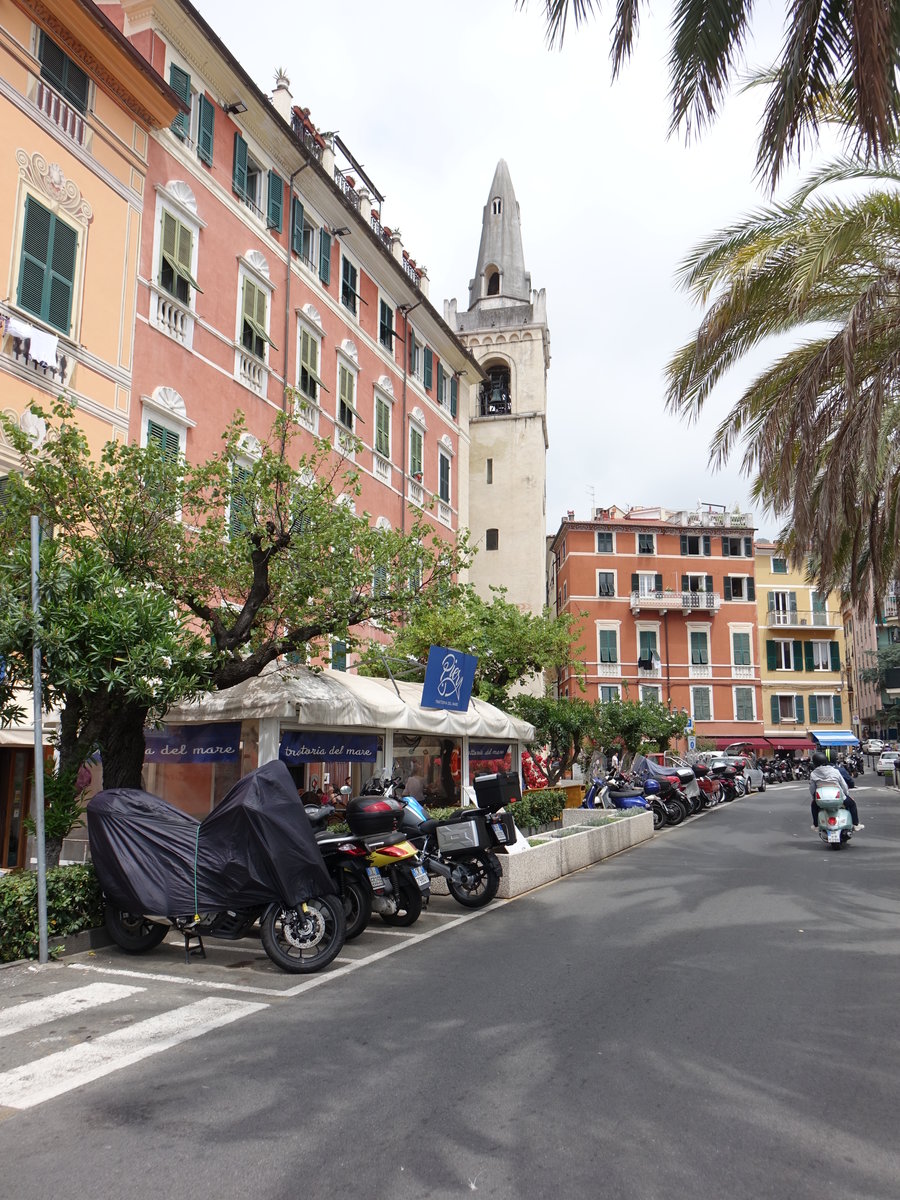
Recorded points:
(287,290)
(406,309)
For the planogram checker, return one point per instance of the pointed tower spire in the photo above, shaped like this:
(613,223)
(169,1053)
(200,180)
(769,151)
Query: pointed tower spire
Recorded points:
(500,275)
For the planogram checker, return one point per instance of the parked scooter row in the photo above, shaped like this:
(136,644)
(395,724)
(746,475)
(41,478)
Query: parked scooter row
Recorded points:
(671,792)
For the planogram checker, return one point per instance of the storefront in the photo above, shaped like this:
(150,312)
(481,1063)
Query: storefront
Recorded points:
(330,728)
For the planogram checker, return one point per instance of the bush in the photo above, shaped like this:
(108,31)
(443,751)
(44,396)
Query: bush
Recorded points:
(74,903)
(538,808)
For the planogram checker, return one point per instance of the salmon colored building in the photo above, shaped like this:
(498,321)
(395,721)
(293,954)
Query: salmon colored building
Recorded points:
(79,106)
(665,604)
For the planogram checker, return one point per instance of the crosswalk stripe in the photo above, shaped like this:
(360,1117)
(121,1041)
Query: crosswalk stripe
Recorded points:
(34,1083)
(63,1004)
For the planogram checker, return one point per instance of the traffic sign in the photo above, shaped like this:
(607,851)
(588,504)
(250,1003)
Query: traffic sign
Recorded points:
(690,725)
(692,743)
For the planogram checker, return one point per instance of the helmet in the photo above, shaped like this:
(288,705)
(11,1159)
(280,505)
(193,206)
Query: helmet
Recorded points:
(651,786)
(818,759)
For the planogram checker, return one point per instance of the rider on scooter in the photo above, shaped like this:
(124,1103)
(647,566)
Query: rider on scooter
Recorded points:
(823,772)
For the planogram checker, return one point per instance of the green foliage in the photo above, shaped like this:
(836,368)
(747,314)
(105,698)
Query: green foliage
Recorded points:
(63,805)
(635,724)
(538,808)
(74,903)
(512,646)
(564,728)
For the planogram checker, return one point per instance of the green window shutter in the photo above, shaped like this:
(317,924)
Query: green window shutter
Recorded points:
(47,268)
(700,697)
(276,202)
(792,602)
(180,83)
(709,584)
(838,711)
(254,336)
(635,582)
(62,276)
(325,257)
(168,441)
(771,655)
(345,391)
(296,226)
(415,452)
(835,656)
(382,428)
(741,649)
(412,352)
(453,395)
(798,709)
(808,656)
(684,583)
(62,73)
(206,124)
(776,711)
(429,368)
(240,510)
(444,478)
(684,543)
(726,584)
(657,582)
(707,545)
(770,601)
(35,255)
(798,655)
(813,710)
(440,383)
(748,547)
(751,589)
(239,169)
(726,547)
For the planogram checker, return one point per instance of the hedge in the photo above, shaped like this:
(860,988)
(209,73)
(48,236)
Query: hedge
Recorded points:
(538,808)
(74,903)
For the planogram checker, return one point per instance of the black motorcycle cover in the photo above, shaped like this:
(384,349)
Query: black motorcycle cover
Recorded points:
(254,848)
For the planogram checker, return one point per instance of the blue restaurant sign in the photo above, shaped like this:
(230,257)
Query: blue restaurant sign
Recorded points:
(217,743)
(448,679)
(310,746)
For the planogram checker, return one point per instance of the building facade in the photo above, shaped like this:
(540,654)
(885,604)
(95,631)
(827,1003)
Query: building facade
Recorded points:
(669,604)
(505,329)
(867,632)
(805,680)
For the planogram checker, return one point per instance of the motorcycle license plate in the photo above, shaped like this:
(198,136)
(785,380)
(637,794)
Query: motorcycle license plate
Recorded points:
(834,835)
(499,831)
(421,877)
(375,879)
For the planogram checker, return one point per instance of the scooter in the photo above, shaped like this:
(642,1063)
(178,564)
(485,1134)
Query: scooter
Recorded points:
(615,794)
(835,822)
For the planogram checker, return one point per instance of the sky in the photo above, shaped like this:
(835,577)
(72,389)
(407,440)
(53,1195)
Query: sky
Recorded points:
(430,96)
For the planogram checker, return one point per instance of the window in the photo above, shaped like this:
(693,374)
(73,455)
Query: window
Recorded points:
(743,704)
(303,234)
(646,543)
(386,326)
(428,369)
(254,337)
(739,587)
(782,608)
(489,470)
(608,645)
(701,704)
(646,583)
(338,656)
(206,124)
(176,257)
(349,278)
(382,427)
(740,649)
(240,508)
(168,441)
(444,477)
(650,691)
(737,547)
(779,566)
(496,206)
(442,387)
(820,654)
(699,647)
(493,282)
(697,583)
(47,269)
(309,381)
(787,708)
(822,709)
(492,539)
(605,542)
(783,655)
(180,83)
(346,397)
(695,544)
(606,583)
(416,441)
(62,73)
(246,175)
(276,202)
(415,355)
(609,692)
(647,652)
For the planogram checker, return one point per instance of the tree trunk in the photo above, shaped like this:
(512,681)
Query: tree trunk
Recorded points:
(52,850)
(122,747)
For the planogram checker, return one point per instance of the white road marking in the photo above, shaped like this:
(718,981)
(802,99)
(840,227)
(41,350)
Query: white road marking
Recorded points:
(63,1004)
(36,1082)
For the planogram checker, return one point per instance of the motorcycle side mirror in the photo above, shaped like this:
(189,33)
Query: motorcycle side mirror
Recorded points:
(346,790)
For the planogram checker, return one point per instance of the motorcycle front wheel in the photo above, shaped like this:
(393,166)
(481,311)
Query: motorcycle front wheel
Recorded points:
(675,813)
(477,883)
(409,903)
(659,814)
(133,933)
(305,939)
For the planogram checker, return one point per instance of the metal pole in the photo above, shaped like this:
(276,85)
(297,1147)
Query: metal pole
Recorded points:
(43,954)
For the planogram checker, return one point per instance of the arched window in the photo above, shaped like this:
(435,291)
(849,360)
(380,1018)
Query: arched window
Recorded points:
(493,283)
(496,206)
(495,393)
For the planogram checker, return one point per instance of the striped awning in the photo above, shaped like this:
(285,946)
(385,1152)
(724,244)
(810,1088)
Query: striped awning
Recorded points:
(835,737)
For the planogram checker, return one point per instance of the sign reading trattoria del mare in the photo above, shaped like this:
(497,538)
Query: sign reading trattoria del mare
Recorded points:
(448,679)
(217,743)
(302,746)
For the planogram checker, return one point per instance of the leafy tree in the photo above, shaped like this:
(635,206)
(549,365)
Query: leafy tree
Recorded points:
(838,62)
(512,646)
(164,578)
(820,425)
(564,729)
(884,672)
(636,724)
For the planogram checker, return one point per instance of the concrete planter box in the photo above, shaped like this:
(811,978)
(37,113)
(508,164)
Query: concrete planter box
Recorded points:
(530,868)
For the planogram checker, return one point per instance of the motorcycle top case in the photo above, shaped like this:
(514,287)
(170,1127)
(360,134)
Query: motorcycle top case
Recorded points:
(496,791)
(256,847)
(373,814)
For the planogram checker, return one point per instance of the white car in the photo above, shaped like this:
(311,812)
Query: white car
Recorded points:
(872,746)
(885,764)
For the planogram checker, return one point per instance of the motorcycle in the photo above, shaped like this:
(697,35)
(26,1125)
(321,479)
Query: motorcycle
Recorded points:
(460,849)
(252,859)
(835,823)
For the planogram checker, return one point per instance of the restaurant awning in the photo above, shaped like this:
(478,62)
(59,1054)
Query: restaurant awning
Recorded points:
(835,737)
(792,743)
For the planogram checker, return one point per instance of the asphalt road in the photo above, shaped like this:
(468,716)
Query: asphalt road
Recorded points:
(710,1015)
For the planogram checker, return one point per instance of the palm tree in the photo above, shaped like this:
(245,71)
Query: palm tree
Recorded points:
(820,427)
(843,53)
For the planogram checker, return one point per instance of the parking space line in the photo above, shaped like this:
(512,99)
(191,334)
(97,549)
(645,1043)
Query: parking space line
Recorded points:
(51,1008)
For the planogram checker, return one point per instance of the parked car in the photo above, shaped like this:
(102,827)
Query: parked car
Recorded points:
(872,746)
(752,774)
(885,764)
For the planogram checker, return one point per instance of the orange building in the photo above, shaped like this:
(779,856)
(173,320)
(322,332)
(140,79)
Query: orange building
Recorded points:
(665,604)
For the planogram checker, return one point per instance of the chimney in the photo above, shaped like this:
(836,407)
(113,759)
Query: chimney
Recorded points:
(281,97)
(571,514)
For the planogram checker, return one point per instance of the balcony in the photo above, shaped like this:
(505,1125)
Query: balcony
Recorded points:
(444,513)
(709,602)
(251,372)
(890,608)
(700,671)
(381,468)
(608,670)
(172,317)
(63,115)
(796,618)
(415,492)
(742,672)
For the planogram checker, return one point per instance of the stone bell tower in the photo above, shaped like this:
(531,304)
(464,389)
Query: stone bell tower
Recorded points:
(505,328)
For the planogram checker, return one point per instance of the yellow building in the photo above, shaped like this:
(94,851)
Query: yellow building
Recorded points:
(802,657)
(78,103)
